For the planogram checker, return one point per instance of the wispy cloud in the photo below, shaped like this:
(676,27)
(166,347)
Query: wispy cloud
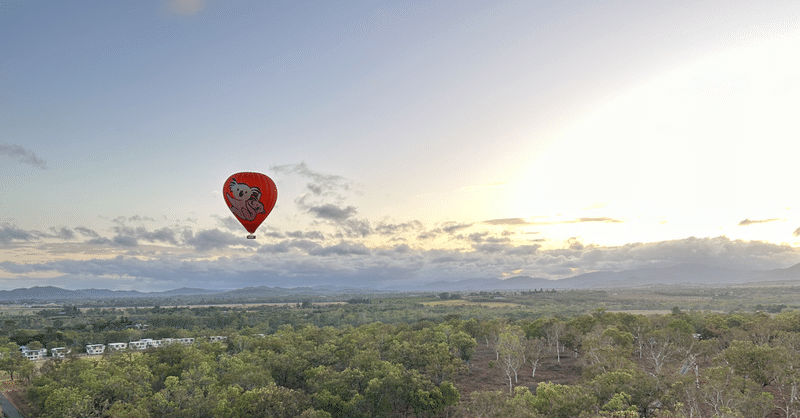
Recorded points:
(135,218)
(523,222)
(24,155)
(325,193)
(321,183)
(746,222)
(507,221)
(606,220)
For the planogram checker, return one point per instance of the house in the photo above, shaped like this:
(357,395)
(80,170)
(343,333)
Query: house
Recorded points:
(146,343)
(95,349)
(139,345)
(117,346)
(33,354)
(59,352)
(217,338)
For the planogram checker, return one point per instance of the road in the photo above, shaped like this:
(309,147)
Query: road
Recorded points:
(8,408)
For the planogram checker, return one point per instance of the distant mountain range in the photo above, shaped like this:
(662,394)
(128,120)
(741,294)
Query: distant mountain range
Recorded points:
(681,274)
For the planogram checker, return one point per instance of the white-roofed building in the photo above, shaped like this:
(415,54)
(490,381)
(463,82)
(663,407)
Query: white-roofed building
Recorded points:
(117,346)
(94,349)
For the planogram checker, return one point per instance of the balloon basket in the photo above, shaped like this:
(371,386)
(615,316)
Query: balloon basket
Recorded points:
(251,236)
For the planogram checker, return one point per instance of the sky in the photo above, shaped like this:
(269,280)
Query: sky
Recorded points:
(410,141)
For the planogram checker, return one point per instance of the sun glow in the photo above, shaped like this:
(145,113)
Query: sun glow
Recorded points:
(693,151)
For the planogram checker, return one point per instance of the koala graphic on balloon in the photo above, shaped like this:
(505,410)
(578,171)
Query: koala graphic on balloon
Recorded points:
(244,200)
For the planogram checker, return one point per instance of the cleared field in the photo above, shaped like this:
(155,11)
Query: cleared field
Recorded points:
(460,302)
(221,305)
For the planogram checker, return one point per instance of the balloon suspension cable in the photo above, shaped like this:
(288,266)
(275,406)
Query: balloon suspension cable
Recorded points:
(251,236)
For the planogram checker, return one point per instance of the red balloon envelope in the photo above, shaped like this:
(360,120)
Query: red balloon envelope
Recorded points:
(251,197)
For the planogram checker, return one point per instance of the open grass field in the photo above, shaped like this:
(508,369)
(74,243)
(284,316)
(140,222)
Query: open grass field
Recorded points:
(459,302)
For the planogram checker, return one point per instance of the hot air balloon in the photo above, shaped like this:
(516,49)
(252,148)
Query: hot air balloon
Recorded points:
(251,197)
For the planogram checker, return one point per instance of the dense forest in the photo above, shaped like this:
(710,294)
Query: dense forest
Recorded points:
(528,354)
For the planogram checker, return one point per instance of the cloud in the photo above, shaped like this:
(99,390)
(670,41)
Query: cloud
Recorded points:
(25,156)
(129,237)
(316,235)
(746,222)
(325,199)
(86,232)
(332,212)
(322,182)
(523,222)
(452,227)
(125,241)
(343,248)
(63,233)
(327,186)
(603,220)
(281,247)
(387,228)
(165,235)
(135,218)
(524,250)
(717,251)
(477,237)
(228,222)
(426,235)
(99,241)
(186,7)
(575,244)
(212,239)
(9,233)
(302,262)
(491,247)
(507,221)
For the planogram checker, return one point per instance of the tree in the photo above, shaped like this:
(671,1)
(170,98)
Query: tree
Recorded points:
(787,389)
(639,388)
(495,404)
(439,363)
(638,326)
(26,370)
(555,330)
(68,402)
(534,352)
(464,345)
(511,351)
(606,350)
(562,401)
(756,363)
(729,395)
(664,343)
(11,362)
